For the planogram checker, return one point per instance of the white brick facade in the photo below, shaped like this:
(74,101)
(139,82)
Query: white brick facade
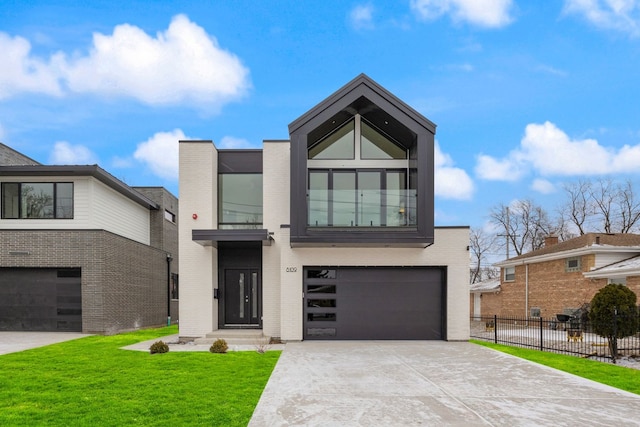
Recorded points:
(282,265)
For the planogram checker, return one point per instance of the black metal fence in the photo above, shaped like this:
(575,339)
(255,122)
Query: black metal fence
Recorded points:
(572,335)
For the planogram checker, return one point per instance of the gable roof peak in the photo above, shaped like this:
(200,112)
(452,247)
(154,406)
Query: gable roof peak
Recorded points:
(361,94)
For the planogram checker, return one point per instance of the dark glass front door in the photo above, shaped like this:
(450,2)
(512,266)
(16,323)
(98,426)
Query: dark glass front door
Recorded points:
(242,297)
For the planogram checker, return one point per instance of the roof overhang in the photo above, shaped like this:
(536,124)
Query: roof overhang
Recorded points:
(78,171)
(587,250)
(213,237)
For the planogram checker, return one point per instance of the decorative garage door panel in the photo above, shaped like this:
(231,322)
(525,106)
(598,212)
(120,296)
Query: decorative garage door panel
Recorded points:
(39,299)
(374,303)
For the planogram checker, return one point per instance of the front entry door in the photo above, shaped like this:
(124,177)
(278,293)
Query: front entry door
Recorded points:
(242,297)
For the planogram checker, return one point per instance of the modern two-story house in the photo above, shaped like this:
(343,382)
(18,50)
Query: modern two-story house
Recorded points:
(82,251)
(327,235)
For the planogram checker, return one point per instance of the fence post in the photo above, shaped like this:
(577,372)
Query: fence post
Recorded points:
(541,334)
(495,328)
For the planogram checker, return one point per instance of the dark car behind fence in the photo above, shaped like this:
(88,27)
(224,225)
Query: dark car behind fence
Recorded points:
(565,334)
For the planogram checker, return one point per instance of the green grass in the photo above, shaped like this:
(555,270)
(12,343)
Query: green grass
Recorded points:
(92,382)
(616,376)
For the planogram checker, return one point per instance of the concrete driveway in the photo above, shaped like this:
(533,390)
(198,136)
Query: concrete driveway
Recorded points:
(430,383)
(11,342)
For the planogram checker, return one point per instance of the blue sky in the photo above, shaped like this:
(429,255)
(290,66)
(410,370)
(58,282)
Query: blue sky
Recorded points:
(527,95)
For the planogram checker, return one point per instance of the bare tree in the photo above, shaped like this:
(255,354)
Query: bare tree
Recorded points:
(578,208)
(603,194)
(525,224)
(481,244)
(629,208)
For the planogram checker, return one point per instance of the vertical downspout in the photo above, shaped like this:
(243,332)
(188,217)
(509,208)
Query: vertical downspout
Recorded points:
(169,259)
(526,290)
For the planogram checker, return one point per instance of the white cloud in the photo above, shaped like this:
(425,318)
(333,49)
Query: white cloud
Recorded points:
(182,65)
(232,142)
(64,153)
(543,186)
(22,73)
(450,182)
(548,151)
(492,169)
(483,13)
(617,15)
(361,17)
(160,153)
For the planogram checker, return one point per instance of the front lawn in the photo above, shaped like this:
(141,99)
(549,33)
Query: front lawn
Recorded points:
(616,376)
(92,382)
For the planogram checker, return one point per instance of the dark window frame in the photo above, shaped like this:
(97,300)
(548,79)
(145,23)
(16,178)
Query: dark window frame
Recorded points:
(238,225)
(55,201)
(383,197)
(378,106)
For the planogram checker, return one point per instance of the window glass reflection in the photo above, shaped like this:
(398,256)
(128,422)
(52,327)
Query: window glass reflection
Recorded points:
(240,201)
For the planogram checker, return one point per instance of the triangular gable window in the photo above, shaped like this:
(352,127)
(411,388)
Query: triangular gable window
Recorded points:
(374,145)
(338,145)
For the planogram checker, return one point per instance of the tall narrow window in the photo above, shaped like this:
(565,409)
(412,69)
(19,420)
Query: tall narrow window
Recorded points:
(399,204)
(344,198)
(370,199)
(319,198)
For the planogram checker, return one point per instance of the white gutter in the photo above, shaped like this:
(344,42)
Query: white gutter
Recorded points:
(569,252)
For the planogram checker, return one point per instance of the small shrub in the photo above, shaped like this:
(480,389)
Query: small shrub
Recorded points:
(159,347)
(614,314)
(262,345)
(219,346)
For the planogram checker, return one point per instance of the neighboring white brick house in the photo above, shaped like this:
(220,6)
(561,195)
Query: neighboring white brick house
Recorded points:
(328,235)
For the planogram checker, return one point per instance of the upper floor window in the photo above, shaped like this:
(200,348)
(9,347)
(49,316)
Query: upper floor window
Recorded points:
(509,274)
(337,145)
(572,264)
(240,200)
(37,200)
(341,144)
(169,216)
(360,198)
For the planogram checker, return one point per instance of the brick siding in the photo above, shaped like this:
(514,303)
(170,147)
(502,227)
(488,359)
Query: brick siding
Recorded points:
(124,283)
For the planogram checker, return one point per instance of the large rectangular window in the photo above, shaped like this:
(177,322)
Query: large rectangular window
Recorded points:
(360,198)
(37,200)
(240,201)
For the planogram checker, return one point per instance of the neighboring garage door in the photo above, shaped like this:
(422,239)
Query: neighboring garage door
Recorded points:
(40,299)
(386,303)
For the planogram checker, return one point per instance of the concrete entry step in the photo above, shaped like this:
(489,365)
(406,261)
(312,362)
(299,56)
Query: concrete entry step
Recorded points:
(235,337)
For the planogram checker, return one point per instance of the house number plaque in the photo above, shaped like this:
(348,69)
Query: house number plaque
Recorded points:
(291,269)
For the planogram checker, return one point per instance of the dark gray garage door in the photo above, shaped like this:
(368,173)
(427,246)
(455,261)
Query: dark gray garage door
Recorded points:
(374,303)
(40,299)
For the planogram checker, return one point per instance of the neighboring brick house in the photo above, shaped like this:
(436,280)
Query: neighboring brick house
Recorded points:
(328,235)
(82,251)
(481,302)
(560,277)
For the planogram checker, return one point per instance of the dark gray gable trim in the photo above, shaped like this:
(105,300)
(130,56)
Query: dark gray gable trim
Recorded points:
(362,95)
(85,170)
(362,85)
(213,237)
